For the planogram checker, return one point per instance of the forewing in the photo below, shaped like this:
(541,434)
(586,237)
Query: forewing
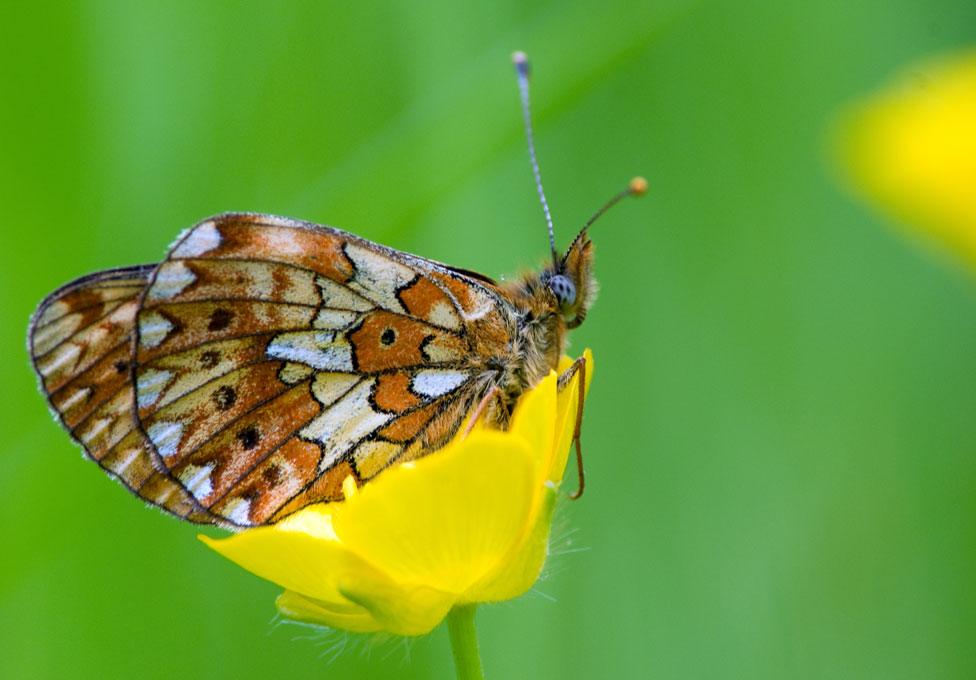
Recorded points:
(275,357)
(80,341)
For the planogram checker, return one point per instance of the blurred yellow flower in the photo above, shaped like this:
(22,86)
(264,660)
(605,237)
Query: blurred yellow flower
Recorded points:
(911,148)
(467,524)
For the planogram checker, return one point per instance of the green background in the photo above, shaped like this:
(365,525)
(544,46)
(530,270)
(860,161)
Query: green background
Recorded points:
(780,437)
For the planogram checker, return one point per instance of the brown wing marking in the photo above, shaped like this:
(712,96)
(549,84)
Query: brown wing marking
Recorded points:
(194,280)
(186,423)
(80,343)
(176,327)
(213,469)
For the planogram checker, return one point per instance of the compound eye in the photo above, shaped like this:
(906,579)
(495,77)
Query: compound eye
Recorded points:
(563,288)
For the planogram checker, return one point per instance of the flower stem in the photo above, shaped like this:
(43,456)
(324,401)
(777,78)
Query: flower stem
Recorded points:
(464,643)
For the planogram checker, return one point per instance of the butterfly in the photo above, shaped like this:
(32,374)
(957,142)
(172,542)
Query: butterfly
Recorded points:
(265,359)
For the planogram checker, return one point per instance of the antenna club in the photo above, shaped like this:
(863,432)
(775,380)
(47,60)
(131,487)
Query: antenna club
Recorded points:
(521,61)
(638,186)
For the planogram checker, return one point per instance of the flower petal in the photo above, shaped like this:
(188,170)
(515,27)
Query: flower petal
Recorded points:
(534,419)
(308,562)
(912,149)
(446,520)
(300,608)
(404,610)
(518,573)
(406,613)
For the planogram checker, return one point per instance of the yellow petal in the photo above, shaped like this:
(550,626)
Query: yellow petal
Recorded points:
(447,520)
(308,562)
(521,570)
(300,608)
(912,149)
(338,585)
(408,613)
(535,418)
(404,610)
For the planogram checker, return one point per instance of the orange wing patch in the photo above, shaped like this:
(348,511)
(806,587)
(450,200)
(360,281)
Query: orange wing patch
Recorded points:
(386,340)
(272,484)
(263,238)
(424,300)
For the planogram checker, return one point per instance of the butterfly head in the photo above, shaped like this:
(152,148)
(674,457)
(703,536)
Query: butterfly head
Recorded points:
(571,281)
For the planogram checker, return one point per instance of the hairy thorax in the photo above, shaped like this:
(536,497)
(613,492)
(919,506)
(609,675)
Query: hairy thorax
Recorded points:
(534,349)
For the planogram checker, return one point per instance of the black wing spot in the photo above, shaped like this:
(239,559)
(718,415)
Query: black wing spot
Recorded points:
(388,337)
(249,436)
(272,474)
(225,397)
(220,319)
(210,358)
(121,367)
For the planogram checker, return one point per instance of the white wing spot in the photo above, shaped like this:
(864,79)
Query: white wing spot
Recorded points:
(322,350)
(378,277)
(444,315)
(96,429)
(346,422)
(203,238)
(64,355)
(238,511)
(171,279)
(435,382)
(153,329)
(327,387)
(77,396)
(333,319)
(339,297)
(149,385)
(165,436)
(196,479)
(124,464)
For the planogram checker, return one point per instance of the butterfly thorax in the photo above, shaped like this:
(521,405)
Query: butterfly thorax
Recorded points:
(538,341)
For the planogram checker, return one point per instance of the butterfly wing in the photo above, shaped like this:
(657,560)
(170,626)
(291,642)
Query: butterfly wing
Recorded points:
(80,341)
(273,358)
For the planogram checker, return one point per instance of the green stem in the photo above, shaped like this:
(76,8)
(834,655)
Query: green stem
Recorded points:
(464,642)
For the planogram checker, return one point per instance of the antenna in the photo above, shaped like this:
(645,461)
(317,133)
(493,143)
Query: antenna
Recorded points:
(521,62)
(636,187)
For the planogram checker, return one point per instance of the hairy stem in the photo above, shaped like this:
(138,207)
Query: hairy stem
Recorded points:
(464,642)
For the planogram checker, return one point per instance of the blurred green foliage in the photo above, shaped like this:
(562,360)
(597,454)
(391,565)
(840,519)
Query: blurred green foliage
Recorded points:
(780,438)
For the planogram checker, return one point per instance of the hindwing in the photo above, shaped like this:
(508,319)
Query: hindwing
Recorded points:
(273,358)
(80,341)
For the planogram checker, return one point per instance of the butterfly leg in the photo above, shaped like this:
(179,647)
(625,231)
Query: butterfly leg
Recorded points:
(480,409)
(577,370)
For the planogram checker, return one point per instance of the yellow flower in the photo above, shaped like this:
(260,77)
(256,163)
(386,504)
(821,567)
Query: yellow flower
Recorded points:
(912,149)
(467,524)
